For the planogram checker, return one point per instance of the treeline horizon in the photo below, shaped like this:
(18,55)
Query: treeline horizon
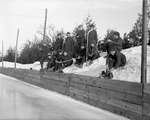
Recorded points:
(31,50)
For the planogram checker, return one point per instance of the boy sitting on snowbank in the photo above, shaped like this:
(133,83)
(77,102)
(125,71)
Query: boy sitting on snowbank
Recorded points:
(115,59)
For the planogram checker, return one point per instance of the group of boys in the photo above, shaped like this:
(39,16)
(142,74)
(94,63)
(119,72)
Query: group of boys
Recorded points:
(76,49)
(84,48)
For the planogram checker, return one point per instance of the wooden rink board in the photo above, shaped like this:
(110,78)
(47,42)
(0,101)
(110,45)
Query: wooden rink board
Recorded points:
(121,97)
(146,100)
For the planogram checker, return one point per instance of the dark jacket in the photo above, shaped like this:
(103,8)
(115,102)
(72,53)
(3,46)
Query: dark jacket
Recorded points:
(68,46)
(115,44)
(115,61)
(92,37)
(118,43)
(58,45)
(80,36)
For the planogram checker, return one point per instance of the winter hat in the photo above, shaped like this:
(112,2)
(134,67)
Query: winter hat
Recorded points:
(111,47)
(116,33)
(58,34)
(68,33)
(92,25)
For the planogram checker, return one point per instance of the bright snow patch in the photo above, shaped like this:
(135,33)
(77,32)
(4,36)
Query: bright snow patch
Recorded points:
(34,66)
(131,72)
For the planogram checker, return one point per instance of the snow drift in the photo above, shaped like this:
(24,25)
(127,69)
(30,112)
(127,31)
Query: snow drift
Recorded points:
(34,66)
(131,72)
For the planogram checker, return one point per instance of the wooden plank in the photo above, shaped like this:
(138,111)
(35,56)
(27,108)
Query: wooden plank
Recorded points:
(64,77)
(79,97)
(33,76)
(145,117)
(125,105)
(147,88)
(116,85)
(78,80)
(31,80)
(92,101)
(18,76)
(59,77)
(51,77)
(146,98)
(127,113)
(116,102)
(78,92)
(123,86)
(59,89)
(78,86)
(146,109)
(31,71)
(55,82)
(115,95)
(10,73)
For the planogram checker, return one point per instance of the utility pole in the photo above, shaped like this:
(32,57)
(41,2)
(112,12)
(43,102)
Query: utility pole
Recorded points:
(45,21)
(2,54)
(144,43)
(44,33)
(16,47)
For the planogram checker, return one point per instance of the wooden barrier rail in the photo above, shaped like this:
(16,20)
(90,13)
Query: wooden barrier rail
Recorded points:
(121,97)
(146,104)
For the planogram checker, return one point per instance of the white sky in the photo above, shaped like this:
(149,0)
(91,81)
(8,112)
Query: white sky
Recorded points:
(28,15)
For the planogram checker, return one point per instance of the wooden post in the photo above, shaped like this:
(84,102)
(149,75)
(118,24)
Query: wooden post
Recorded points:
(144,44)
(87,48)
(16,47)
(2,54)
(44,33)
(45,21)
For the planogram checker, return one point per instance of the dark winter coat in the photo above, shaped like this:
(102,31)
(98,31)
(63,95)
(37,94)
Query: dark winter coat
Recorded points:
(80,38)
(118,43)
(92,40)
(115,61)
(80,44)
(92,37)
(115,44)
(68,46)
(58,45)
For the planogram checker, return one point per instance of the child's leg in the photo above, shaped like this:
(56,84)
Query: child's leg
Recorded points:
(110,63)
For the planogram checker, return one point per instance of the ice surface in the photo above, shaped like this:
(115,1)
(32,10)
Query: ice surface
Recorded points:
(19,100)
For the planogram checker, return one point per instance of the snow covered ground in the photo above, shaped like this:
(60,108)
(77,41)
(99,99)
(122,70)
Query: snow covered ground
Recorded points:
(131,72)
(19,100)
(34,66)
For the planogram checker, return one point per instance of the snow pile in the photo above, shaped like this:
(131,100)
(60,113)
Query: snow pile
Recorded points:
(92,70)
(34,66)
(131,72)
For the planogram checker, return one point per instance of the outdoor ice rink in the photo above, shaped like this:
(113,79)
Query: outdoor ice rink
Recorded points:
(19,100)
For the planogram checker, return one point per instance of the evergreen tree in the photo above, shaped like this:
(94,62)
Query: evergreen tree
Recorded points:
(10,55)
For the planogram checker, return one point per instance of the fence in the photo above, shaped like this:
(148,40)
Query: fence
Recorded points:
(121,97)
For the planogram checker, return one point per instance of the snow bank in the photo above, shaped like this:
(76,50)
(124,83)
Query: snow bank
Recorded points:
(131,72)
(92,70)
(34,66)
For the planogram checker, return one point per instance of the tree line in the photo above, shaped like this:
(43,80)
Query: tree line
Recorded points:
(31,51)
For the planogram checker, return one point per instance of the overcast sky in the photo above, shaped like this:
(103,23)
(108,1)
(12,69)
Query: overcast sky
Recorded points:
(28,15)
